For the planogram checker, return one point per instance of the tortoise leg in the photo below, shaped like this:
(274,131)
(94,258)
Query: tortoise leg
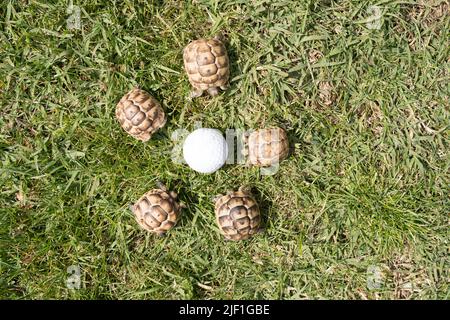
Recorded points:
(227,238)
(161,185)
(245,189)
(225,87)
(213,91)
(183,205)
(195,93)
(173,194)
(216,198)
(219,37)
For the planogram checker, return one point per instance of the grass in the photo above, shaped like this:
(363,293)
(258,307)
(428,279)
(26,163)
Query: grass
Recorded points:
(366,109)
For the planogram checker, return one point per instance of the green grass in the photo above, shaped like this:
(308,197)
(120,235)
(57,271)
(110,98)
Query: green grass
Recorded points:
(367,185)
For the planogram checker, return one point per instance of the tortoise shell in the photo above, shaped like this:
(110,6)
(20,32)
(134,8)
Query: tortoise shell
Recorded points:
(140,114)
(237,215)
(207,65)
(157,210)
(265,147)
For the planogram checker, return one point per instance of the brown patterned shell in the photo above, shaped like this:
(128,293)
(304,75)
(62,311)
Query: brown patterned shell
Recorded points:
(206,63)
(266,147)
(237,215)
(157,211)
(140,114)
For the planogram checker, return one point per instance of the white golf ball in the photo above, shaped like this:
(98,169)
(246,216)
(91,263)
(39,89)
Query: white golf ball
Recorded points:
(205,150)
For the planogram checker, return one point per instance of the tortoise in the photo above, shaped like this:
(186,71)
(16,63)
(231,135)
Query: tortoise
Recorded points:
(140,114)
(237,214)
(157,211)
(266,147)
(207,65)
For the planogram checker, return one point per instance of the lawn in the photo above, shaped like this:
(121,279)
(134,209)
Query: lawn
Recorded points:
(360,209)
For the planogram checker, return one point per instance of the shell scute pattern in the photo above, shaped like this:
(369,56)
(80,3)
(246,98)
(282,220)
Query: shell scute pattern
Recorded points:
(266,147)
(140,115)
(157,211)
(207,65)
(237,215)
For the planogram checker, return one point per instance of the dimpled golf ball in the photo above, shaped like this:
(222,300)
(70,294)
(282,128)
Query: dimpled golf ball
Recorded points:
(205,150)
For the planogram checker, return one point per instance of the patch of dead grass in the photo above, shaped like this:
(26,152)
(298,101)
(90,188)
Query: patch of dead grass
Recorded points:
(408,276)
(327,94)
(428,13)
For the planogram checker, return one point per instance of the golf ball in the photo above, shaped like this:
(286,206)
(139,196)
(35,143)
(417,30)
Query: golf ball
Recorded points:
(205,150)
